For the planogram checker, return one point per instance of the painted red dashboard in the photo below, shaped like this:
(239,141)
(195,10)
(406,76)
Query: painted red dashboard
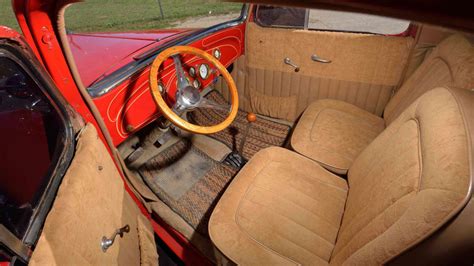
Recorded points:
(130,106)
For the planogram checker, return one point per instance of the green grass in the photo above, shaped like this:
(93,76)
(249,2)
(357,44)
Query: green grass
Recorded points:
(120,15)
(7,18)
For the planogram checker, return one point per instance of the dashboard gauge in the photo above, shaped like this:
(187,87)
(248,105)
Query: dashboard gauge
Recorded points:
(192,72)
(196,84)
(204,71)
(217,53)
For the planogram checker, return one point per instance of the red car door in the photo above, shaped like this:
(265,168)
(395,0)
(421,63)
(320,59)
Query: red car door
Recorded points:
(62,200)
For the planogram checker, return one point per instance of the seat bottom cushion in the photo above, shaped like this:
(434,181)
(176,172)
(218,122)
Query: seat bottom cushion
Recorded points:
(333,133)
(282,208)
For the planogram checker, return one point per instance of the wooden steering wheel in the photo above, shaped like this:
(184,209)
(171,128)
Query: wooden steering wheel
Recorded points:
(187,96)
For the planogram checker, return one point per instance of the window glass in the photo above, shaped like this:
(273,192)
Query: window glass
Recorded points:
(316,19)
(30,139)
(118,32)
(131,15)
(349,21)
(281,16)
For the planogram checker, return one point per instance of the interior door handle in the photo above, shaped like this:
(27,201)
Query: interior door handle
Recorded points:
(288,62)
(316,58)
(106,243)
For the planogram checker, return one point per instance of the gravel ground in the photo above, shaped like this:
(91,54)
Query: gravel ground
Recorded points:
(204,22)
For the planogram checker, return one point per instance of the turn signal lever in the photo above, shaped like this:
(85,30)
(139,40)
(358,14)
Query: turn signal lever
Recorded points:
(236,158)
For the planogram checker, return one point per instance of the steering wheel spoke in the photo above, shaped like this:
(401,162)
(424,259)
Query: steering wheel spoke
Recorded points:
(210,104)
(182,81)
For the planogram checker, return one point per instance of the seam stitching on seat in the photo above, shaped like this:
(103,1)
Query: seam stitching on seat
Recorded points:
(314,199)
(420,153)
(416,191)
(236,220)
(354,237)
(329,184)
(330,150)
(365,206)
(296,244)
(295,222)
(322,218)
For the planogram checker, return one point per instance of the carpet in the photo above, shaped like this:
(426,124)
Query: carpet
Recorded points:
(188,181)
(263,133)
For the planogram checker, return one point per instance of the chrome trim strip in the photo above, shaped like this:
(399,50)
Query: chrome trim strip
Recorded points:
(306,19)
(14,244)
(107,84)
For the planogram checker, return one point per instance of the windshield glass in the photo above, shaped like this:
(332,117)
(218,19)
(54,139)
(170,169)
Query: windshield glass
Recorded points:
(105,35)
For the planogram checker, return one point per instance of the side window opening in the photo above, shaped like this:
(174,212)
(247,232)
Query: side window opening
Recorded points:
(36,143)
(328,20)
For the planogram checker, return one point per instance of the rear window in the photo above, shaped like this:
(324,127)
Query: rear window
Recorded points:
(316,19)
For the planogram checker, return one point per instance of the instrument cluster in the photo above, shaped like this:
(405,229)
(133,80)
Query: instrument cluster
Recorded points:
(199,73)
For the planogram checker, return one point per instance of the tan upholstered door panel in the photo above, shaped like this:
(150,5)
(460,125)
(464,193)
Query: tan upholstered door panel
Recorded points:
(364,69)
(92,203)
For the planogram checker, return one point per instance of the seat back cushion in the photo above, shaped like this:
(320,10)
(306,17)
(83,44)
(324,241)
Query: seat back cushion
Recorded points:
(407,183)
(451,63)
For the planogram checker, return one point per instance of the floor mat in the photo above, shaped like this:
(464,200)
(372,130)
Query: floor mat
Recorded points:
(188,181)
(262,134)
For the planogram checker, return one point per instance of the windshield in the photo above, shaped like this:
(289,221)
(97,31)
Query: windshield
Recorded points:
(118,32)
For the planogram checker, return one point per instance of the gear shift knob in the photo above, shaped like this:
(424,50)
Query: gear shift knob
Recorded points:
(251,117)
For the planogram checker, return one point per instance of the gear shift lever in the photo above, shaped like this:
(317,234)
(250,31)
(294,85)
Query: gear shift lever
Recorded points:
(251,117)
(236,158)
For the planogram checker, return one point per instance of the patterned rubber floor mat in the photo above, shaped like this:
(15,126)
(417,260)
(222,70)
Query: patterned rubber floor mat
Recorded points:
(188,181)
(263,133)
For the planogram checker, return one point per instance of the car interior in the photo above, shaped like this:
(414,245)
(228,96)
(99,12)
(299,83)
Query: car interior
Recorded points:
(267,142)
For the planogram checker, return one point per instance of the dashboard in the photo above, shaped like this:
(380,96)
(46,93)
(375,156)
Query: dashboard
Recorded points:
(130,106)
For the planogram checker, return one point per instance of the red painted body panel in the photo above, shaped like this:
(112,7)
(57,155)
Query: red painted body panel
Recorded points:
(102,53)
(131,105)
(34,18)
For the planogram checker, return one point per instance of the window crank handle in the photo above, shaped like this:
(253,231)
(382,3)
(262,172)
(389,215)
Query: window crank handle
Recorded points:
(288,62)
(108,242)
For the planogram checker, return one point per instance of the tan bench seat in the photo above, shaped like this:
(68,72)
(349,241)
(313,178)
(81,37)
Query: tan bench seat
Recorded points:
(333,133)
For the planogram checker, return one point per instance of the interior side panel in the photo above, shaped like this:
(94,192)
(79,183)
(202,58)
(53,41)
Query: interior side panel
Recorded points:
(239,74)
(92,203)
(365,68)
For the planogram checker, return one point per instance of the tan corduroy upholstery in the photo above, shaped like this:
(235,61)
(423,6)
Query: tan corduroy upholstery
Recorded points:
(92,203)
(282,208)
(337,144)
(451,63)
(340,131)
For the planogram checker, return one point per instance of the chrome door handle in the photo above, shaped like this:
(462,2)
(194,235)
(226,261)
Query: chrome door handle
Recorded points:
(106,243)
(316,58)
(288,62)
